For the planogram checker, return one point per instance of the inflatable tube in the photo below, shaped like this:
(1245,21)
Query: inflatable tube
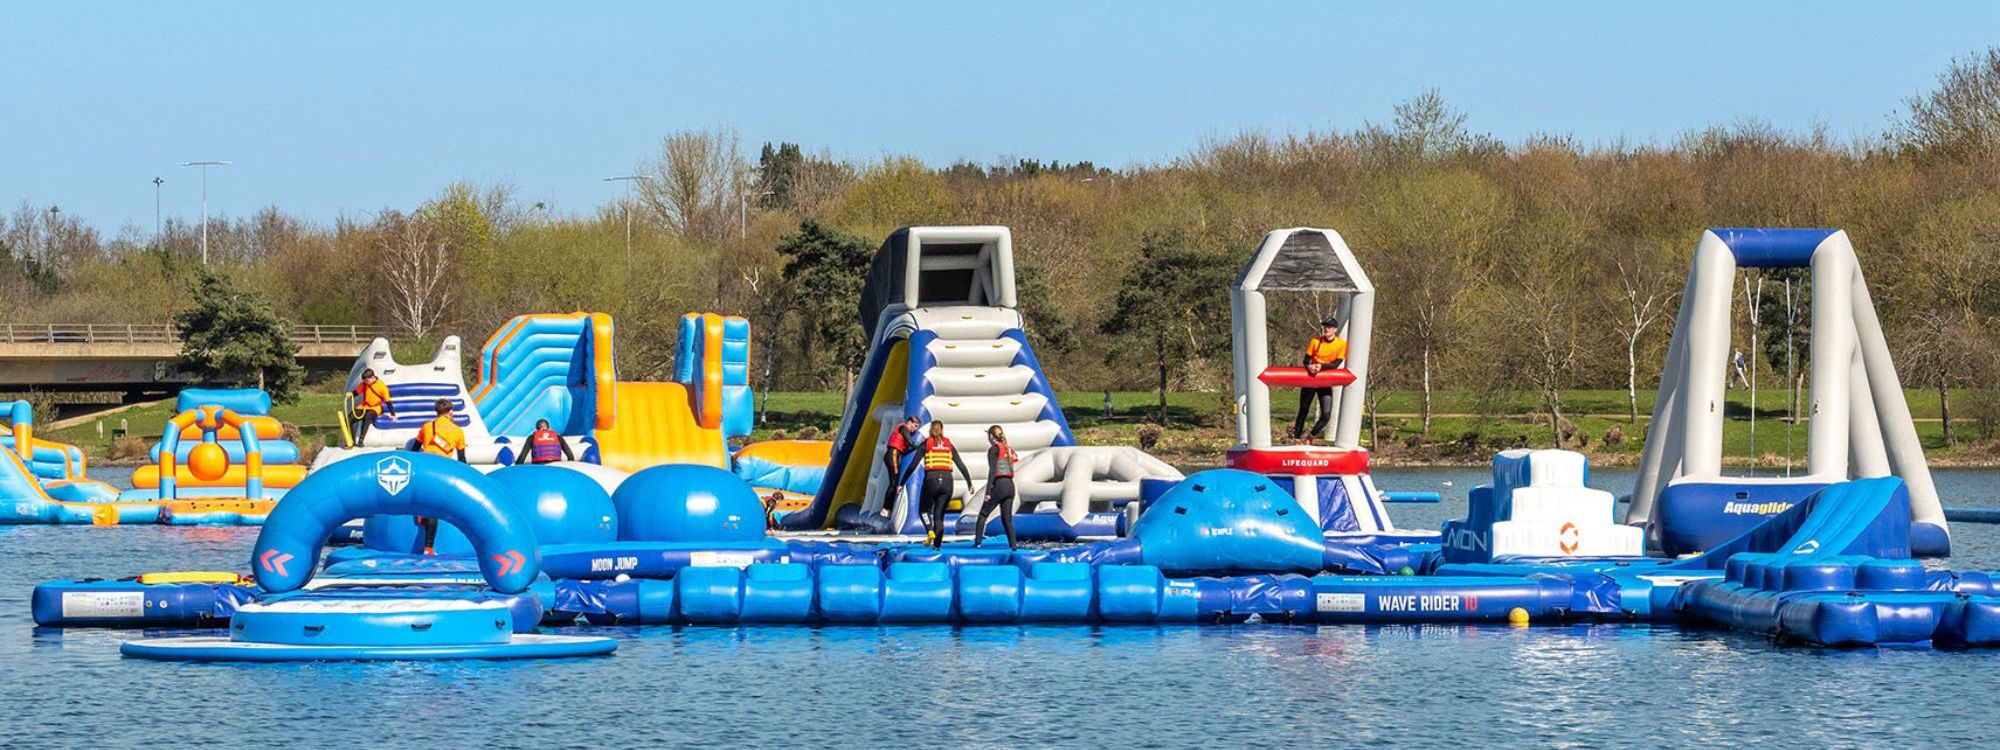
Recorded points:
(275,451)
(223,649)
(265,428)
(417,484)
(132,604)
(236,476)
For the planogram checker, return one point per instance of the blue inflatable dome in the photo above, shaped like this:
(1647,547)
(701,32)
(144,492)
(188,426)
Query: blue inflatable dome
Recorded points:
(1229,520)
(687,503)
(563,505)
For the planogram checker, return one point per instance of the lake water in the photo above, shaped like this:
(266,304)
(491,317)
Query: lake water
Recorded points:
(1582,686)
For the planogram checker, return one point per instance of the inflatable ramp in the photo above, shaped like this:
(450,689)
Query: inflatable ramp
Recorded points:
(413,390)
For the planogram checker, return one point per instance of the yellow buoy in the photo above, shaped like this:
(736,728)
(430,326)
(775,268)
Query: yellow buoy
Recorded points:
(1517,616)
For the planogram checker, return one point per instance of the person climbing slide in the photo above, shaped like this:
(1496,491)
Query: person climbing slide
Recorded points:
(1325,351)
(901,441)
(370,401)
(939,457)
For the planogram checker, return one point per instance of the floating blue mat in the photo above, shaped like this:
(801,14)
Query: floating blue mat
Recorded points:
(213,648)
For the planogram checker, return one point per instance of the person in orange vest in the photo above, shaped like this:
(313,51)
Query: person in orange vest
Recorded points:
(439,437)
(371,400)
(545,446)
(1000,462)
(1325,351)
(939,456)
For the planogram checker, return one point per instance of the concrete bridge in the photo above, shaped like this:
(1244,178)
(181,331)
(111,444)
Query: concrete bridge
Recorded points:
(139,357)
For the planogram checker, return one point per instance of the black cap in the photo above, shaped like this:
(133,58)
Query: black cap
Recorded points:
(1330,322)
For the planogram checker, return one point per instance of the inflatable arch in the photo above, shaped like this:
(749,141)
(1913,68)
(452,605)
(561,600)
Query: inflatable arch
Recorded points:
(1859,428)
(288,548)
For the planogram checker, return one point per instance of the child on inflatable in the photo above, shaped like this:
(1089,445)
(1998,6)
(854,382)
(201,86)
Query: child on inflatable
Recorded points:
(439,437)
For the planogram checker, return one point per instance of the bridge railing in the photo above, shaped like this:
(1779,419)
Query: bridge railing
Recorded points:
(159,333)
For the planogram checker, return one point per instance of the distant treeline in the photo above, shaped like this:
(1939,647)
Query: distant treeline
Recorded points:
(1535,266)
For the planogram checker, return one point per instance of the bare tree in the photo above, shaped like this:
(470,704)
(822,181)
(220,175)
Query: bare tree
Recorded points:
(1646,287)
(417,264)
(696,183)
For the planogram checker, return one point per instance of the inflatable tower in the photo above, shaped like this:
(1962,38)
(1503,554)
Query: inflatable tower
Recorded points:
(1859,424)
(947,345)
(1329,479)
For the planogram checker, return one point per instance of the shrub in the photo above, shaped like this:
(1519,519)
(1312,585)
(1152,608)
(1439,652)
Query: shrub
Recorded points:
(1149,435)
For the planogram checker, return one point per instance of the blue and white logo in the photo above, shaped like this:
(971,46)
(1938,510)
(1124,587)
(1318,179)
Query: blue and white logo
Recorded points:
(393,473)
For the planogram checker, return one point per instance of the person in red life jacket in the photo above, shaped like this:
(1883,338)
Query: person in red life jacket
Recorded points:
(901,439)
(939,456)
(439,437)
(371,400)
(1324,352)
(1000,462)
(545,446)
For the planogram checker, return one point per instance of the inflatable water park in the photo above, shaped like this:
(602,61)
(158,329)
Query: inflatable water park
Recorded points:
(655,521)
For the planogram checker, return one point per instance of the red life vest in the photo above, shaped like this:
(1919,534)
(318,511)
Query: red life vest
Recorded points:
(1003,464)
(545,446)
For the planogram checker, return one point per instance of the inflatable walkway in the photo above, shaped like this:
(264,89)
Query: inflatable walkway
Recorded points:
(947,345)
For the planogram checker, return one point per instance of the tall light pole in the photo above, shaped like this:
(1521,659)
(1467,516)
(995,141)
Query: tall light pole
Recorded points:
(157,182)
(204,201)
(628,180)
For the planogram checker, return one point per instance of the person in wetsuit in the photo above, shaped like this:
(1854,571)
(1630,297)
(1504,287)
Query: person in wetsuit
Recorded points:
(901,442)
(1000,461)
(938,459)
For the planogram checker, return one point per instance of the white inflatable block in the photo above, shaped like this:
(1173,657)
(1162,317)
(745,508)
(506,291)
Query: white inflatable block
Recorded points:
(1543,539)
(1580,505)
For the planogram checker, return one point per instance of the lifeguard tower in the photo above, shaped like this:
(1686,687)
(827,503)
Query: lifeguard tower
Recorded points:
(1329,478)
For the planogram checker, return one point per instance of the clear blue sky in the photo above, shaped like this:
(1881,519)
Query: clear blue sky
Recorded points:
(350,107)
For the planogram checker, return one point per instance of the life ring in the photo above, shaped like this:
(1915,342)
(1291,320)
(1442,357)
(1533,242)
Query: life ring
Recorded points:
(1568,538)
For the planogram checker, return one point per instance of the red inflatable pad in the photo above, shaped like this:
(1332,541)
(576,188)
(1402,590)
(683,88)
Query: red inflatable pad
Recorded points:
(1296,377)
(1297,460)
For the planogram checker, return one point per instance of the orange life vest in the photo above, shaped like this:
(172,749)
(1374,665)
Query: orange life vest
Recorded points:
(371,396)
(441,437)
(1324,351)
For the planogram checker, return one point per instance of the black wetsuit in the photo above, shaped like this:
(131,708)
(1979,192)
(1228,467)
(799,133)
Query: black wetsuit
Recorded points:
(999,496)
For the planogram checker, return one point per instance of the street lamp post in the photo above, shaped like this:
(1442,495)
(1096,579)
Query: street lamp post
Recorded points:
(628,180)
(204,201)
(157,182)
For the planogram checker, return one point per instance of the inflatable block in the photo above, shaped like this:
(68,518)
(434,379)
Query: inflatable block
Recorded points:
(778,593)
(917,593)
(989,593)
(1129,593)
(710,596)
(275,477)
(1848,622)
(1816,575)
(850,593)
(1057,592)
(1890,575)
(266,428)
